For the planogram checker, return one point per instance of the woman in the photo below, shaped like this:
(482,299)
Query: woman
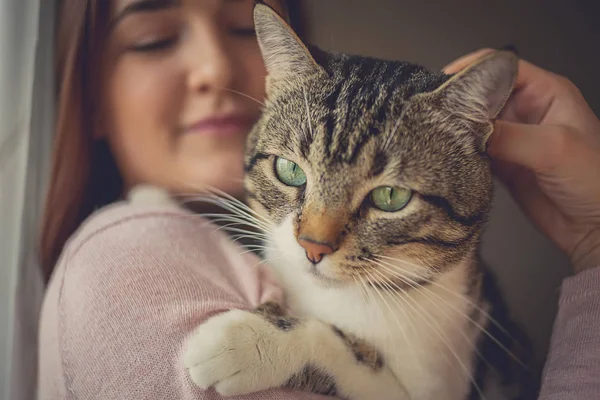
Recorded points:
(164,92)
(149,92)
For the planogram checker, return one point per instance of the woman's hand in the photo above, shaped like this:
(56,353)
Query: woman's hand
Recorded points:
(546,149)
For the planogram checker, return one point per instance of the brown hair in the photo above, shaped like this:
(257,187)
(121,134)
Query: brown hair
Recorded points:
(84,175)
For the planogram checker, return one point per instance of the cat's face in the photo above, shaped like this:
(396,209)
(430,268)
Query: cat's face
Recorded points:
(358,162)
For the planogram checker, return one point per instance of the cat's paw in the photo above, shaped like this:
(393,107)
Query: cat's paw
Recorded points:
(233,352)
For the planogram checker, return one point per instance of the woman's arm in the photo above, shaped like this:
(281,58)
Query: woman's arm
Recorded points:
(572,370)
(130,295)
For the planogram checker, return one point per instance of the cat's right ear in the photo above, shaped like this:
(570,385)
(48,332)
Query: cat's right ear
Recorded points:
(286,57)
(479,92)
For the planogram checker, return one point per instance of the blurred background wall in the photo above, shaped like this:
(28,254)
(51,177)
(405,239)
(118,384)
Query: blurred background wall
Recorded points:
(560,35)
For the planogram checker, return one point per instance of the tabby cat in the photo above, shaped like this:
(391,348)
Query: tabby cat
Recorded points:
(371,182)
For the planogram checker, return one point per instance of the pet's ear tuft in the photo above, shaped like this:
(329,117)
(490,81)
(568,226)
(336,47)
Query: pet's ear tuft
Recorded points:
(284,54)
(480,91)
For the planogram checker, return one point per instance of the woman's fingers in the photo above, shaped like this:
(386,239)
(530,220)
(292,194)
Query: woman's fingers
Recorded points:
(466,60)
(528,72)
(535,147)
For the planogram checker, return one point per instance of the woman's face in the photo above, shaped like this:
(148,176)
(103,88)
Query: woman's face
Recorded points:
(179,79)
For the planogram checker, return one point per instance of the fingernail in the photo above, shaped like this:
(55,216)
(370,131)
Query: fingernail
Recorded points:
(510,47)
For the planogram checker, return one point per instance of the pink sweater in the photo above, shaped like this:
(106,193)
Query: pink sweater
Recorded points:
(133,283)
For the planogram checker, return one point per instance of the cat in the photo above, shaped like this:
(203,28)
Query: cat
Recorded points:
(371,182)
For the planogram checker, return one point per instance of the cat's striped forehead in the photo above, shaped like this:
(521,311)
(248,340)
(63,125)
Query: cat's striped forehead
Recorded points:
(337,113)
(358,121)
(361,98)
(363,124)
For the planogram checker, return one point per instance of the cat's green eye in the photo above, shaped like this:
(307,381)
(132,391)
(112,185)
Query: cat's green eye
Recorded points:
(289,172)
(390,199)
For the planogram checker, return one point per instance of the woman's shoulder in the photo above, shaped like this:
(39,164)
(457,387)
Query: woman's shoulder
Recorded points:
(125,216)
(150,230)
(159,240)
(132,285)
(153,247)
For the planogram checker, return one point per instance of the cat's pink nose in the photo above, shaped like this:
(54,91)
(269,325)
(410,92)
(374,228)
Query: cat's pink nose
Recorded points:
(315,251)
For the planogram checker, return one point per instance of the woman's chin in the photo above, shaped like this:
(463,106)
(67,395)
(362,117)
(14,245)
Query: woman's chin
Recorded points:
(216,174)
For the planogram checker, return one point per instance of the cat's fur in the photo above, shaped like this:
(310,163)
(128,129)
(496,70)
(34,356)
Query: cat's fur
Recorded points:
(396,311)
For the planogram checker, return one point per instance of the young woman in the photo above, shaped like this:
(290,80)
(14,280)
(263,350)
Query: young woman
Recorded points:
(164,92)
(150,91)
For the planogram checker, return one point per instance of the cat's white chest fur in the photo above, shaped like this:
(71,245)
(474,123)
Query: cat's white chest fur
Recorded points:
(424,334)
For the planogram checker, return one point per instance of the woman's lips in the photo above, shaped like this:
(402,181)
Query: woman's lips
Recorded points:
(222,126)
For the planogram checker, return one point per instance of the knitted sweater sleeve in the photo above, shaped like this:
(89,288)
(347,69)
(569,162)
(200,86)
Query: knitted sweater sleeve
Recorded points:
(572,370)
(127,295)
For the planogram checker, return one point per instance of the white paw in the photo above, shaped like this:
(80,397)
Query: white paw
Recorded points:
(230,351)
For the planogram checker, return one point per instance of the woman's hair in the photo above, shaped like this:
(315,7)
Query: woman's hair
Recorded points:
(84,174)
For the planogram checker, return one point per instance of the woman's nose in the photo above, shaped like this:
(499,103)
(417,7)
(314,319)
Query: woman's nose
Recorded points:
(211,64)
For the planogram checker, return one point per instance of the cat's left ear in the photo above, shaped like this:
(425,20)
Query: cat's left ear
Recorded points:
(479,92)
(286,57)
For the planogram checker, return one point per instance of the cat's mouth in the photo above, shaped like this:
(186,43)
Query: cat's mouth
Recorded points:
(324,273)
(318,273)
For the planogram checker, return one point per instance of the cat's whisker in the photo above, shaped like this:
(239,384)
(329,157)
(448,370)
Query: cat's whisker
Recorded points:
(239,226)
(244,218)
(243,95)
(230,227)
(239,220)
(221,194)
(250,250)
(358,282)
(466,299)
(424,291)
(436,284)
(236,227)
(233,211)
(465,315)
(237,238)
(248,245)
(240,215)
(395,316)
(226,227)
(370,299)
(426,317)
(404,272)
(223,199)
(265,261)
(235,206)
(406,312)
(242,209)
(241,234)
(247,240)
(261,247)
(382,317)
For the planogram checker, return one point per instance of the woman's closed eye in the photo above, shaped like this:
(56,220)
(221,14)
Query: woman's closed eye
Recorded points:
(154,44)
(164,42)
(249,32)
